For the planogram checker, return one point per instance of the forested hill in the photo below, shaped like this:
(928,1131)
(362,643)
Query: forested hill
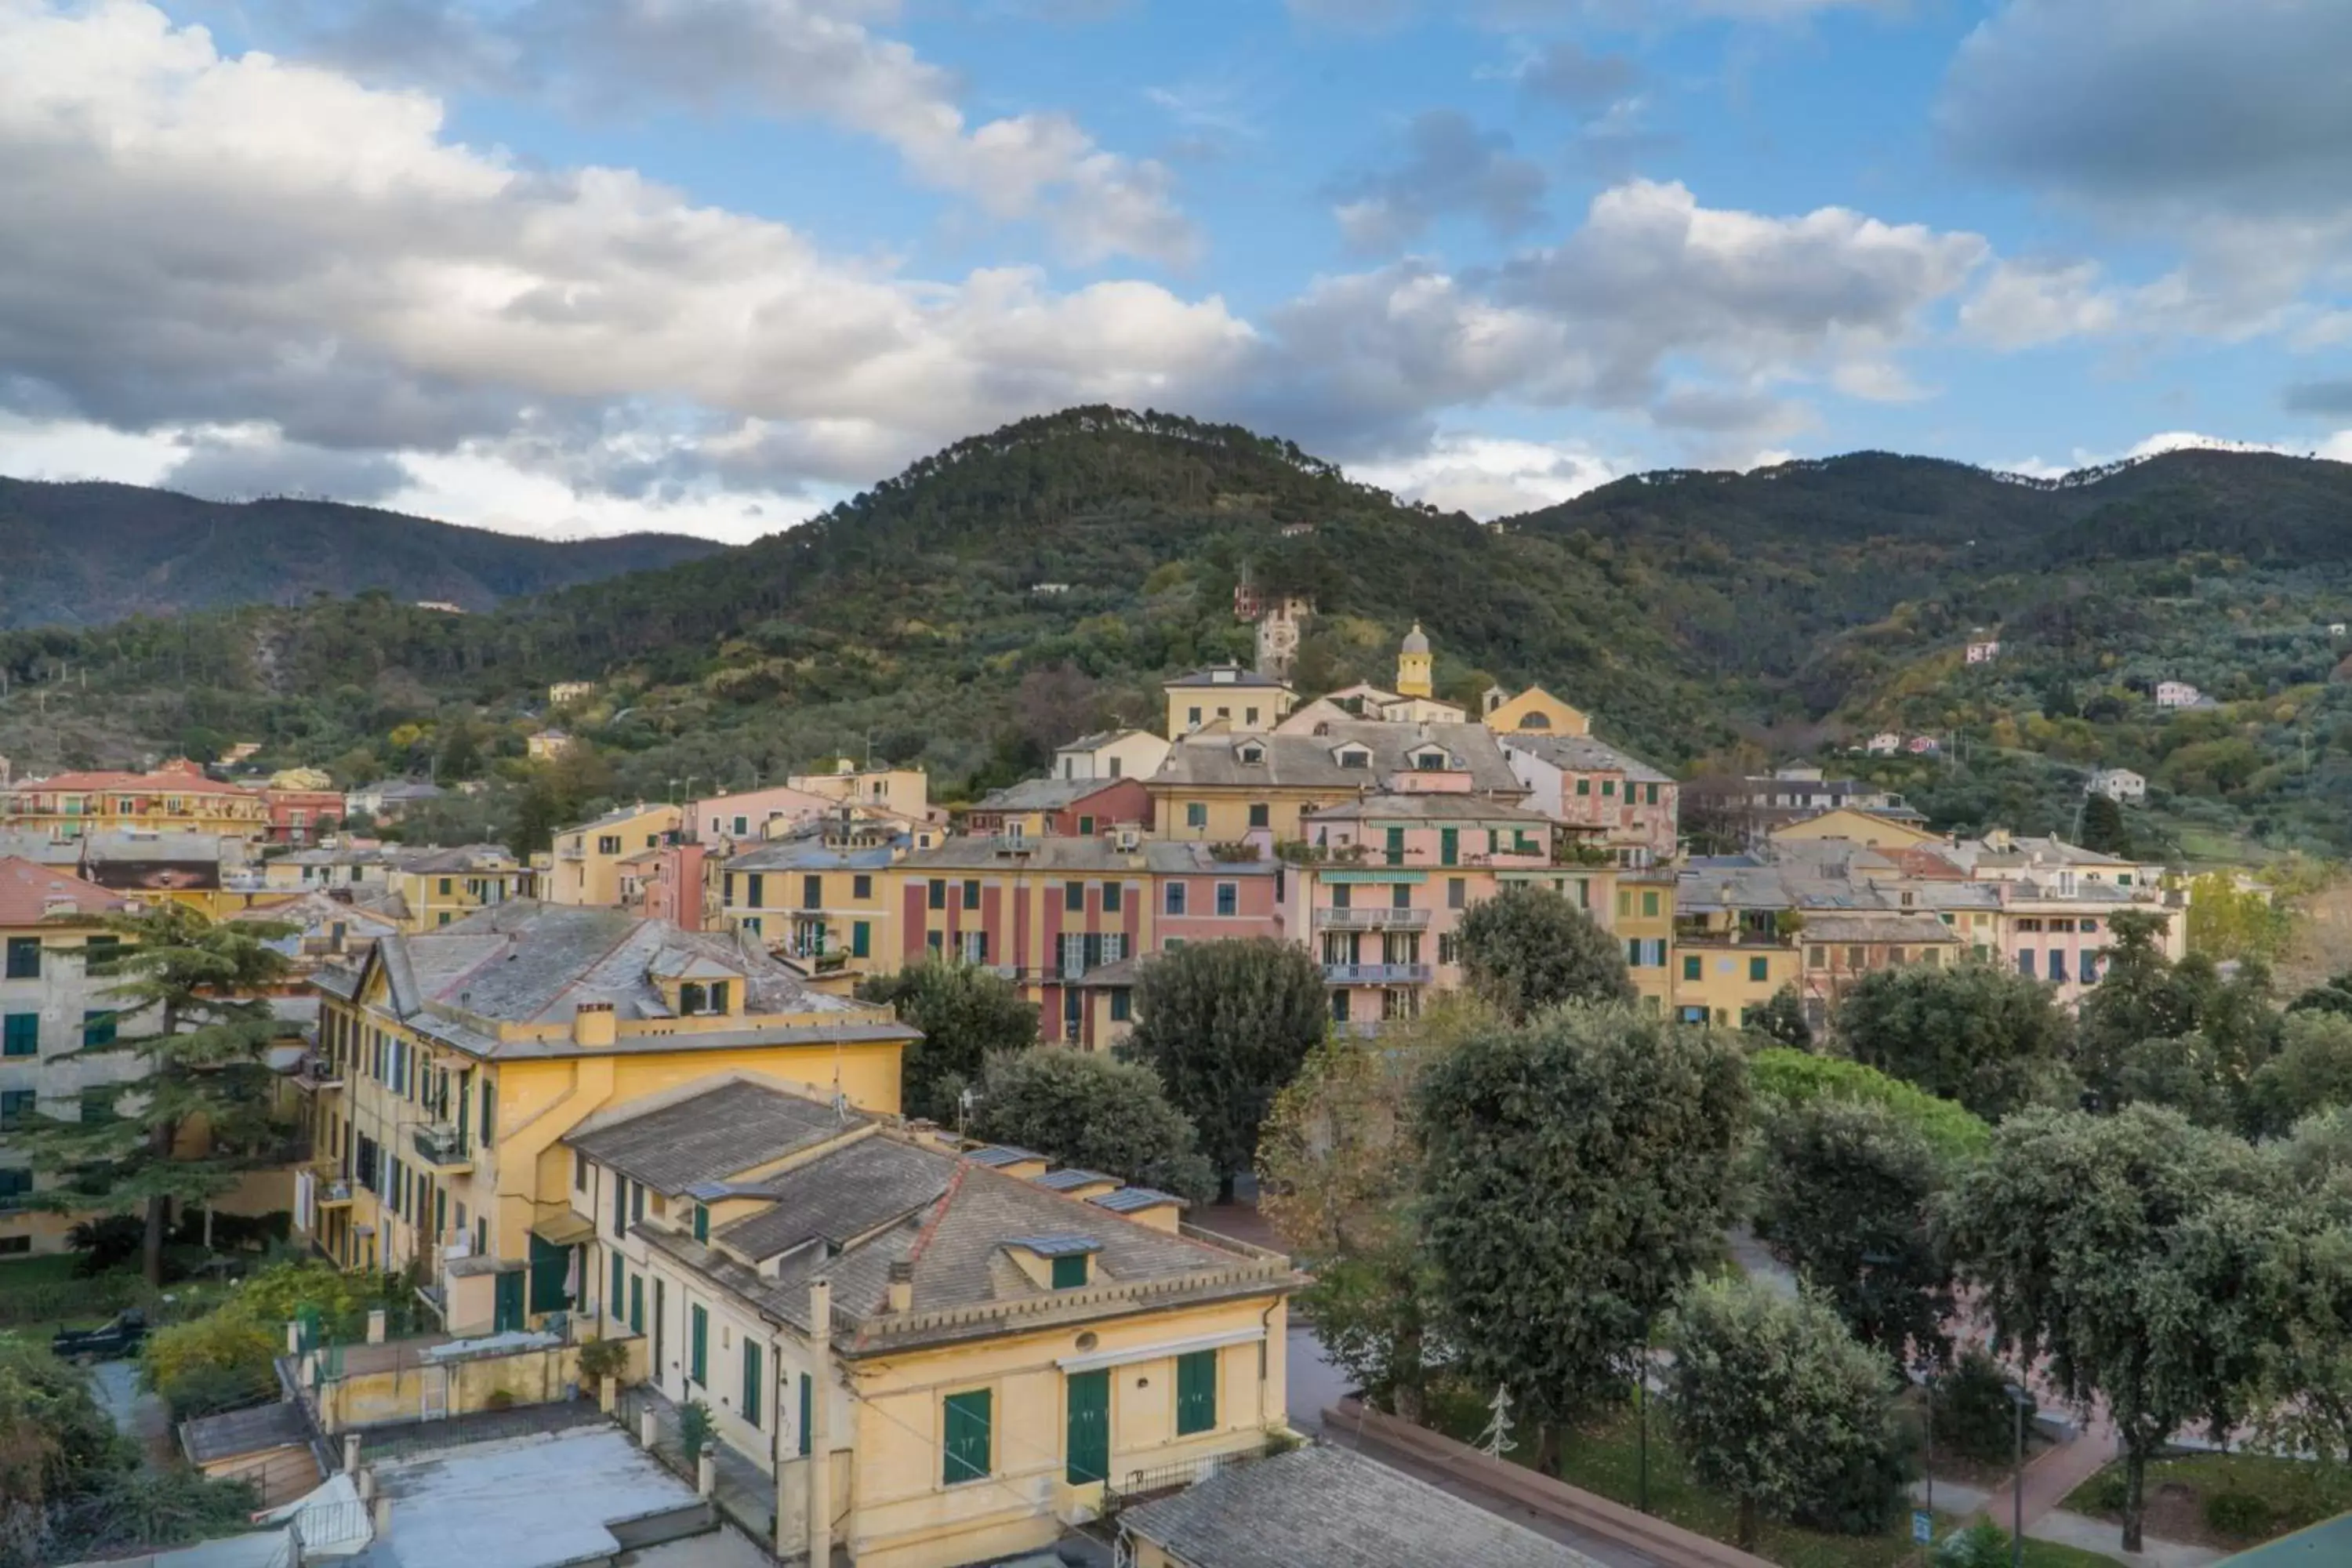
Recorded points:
(79,554)
(1022,586)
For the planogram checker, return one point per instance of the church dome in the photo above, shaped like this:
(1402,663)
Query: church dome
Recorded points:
(1416,641)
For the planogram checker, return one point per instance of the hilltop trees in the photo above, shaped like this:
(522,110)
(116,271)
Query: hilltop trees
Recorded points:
(1226,1025)
(1991,1039)
(1574,1178)
(1528,948)
(202,988)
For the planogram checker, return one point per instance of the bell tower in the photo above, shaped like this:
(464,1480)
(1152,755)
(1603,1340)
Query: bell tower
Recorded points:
(1413,665)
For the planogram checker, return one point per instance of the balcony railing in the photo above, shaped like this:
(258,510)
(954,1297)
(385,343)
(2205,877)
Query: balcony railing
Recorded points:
(315,1072)
(572,852)
(439,1146)
(334,1190)
(1390,918)
(1376,973)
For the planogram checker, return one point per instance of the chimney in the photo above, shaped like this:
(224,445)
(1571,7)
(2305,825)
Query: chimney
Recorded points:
(594,1024)
(902,1286)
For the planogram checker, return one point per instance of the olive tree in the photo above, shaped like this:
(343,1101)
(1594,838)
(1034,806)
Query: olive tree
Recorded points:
(1528,948)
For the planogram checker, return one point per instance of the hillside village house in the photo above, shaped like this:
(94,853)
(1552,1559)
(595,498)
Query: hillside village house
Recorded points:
(2178,694)
(1062,808)
(1220,788)
(1111,754)
(549,745)
(177,797)
(906,792)
(1617,804)
(1243,701)
(389,800)
(941,1354)
(2121,785)
(1044,912)
(749,815)
(819,897)
(51,1007)
(585,866)
(450,1062)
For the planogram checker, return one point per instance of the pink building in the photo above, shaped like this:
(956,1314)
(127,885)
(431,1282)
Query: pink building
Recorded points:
(1383,905)
(744,818)
(1600,796)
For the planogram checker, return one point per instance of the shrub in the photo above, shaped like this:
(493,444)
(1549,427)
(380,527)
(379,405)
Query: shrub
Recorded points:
(694,1428)
(2105,1492)
(1797,1078)
(601,1359)
(1981,1545)
(500,1399)
(1973,1416)
(212,1364)
(2240,1514)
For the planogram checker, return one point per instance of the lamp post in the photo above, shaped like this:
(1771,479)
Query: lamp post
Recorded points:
(2021,1400)
(1927,1369)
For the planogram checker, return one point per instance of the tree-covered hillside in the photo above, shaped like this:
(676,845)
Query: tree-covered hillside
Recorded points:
(1021,586)
(79,554)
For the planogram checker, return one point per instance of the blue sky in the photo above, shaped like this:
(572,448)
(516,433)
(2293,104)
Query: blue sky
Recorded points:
(578,266)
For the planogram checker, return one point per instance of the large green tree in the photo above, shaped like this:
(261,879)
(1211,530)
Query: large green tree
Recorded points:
(2103,827)
(1338,1169)
(2141,995)
(1976,1033)
(1774,1403)
(967,1014)
(2141,1259)
(1528,948)
(2311,1072)
(1226,1025)
(1843,1196)
(1575,1178)
(190,1000)
(1090,1110)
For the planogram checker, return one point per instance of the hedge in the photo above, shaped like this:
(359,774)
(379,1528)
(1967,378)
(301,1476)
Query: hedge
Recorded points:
(1796,1078)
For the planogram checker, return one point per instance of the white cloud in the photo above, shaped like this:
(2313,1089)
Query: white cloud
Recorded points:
(1489,476)
(1449,166)
(2021,304)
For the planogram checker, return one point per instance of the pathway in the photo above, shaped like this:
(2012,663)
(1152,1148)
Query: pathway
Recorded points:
(137,1414)
(745,1493)
(2057,1525)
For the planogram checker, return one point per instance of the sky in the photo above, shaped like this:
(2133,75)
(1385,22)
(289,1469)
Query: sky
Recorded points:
(580,267)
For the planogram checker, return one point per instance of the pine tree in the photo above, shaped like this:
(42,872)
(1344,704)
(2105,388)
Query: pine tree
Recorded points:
(2103,827)
(202,987)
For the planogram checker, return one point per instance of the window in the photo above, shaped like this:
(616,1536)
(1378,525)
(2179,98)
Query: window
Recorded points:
(938,893)
(1816,958)
(24,958)
(98,1027)
(620,1278)
(1069,1273)
(1759,969)
(812,892)
(1854,958)
(972,946)
(97,1103)
(808,1415)
(2058,964)
(1609,788)
(861,886)
(17,1104)
(1339,1006)
(1650,794)
(1449,947)
(1229,899)
(1649,905)
(1624,903)
(1175,898)
(742,827)
(15,1185)
(697,1344)
(489,1111)
(1584,787)
(1457,893)
(1634,952)
(1692,966)
(638,1305)
(1192,717)
(1112,893)
(2025,961)
(1401,895)
(751,1382)
(1261,814)
(20,1035)
(579,1172)
(608,844)
(1393,846)
(1122,1004)
(936,941)
(1085,827)
(1196,814)
(966,1431)
(2090,969)
(1355,757)
(1074,897)
(1249,715)
(1196,1392)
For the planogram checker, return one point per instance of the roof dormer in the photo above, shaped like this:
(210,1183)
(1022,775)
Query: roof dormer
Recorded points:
(1057,1262)
(1352,754)
(1250,753)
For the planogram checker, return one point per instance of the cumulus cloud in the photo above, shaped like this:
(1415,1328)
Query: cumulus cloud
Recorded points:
(785,60)
(1493,476)
(1568,73)
(2218,129)
(2021,304)
(248,464)
(1449,166)
(2332,399)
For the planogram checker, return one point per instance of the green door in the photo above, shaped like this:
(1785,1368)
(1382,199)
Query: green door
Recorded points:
(1090,1441)
(509,1317)
(1449,846)
(550,1264)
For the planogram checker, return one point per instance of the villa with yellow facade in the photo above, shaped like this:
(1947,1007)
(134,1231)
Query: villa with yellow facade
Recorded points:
(451,1062)
(585,866)
(941,1354)
(177,797)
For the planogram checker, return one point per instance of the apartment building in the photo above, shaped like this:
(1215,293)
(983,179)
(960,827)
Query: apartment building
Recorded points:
(51,1008)
(1608,800)
(176,797)
(585,866)
(1234,695)
(749,815)
(1222,788)
(903,792)
(451,1061)
(941,1354)
(819,897)
(1111,754)
(1060,808)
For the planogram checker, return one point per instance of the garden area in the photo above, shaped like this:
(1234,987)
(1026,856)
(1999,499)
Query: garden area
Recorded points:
(2228,1501)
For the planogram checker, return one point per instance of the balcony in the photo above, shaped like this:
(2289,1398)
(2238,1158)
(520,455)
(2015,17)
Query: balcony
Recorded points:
(1372,919)
(439,1146)
(1376,973)
(333,1191)
(573,852)
(314,1074)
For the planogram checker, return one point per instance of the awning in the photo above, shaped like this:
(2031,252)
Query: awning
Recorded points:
(566,1229)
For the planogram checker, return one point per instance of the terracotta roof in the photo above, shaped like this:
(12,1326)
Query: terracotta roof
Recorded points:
(166,779)
(29,893)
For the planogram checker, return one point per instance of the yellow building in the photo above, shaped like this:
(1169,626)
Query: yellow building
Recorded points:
(1415,664)
(176,797)
(1644,926)
(549,745)
(1720,979)
(585,868)
(820,898)
(1227,788)
(903,792)
(1866,828)
(1534,712)
(1242,699)
(437,887)
(451,1062)
(942,1355)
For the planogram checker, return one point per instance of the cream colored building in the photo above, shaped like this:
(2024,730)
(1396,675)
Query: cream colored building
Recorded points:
(585,868)
(902,792)
(1240,699)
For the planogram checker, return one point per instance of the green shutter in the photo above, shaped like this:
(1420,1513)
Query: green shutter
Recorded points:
(638,1305)
(1090,1429)
(701,1223)
(98,1027)
(20,1035)
(751,1382)
(24,958)
(861,940)
(697,1344)
(1449,846)
(620,1278)
(507,1310)
(1196,1392)
(808,1410)
(967,1436)
(1069,1273)
(548,1265)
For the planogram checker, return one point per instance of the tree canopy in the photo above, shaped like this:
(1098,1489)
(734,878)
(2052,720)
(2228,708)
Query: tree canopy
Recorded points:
(967,1014)
(1528,948)
(1088,1110)
(1226,1025)
(1993,1040)
(1576,1174)
(1783,1077)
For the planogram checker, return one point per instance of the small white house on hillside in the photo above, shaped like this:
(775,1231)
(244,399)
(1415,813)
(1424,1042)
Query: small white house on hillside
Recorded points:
(2121,785)
(2177,694)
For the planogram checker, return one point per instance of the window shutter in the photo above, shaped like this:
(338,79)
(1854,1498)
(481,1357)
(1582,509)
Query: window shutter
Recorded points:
(1196,1392)
(751,1382)
(967,1424)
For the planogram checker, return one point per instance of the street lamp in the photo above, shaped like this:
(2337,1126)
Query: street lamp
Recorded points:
(1927,1371)
(2020,1400)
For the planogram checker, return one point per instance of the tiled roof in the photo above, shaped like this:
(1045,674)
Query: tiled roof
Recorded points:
(1583,754)
(995,1156)
(1044,794)
(1128,1200)
(1332,1506)
(166,781)
(1064,1180)
(841,1196)
(29,893)
(1907,929)
(725,1129)
(1311,761)
(1225,675)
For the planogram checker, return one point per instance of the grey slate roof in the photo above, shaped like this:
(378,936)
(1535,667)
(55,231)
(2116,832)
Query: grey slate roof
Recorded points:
(728,1128)
(1333,1508)
(250,1431)
(1584,754)
(1870,928)
(998,1155)
(1418,807)
(1044,794)
(1128,1200)
(813,853)
(1070,1176)
(1223,675)
(1311,761)
(840,1196)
